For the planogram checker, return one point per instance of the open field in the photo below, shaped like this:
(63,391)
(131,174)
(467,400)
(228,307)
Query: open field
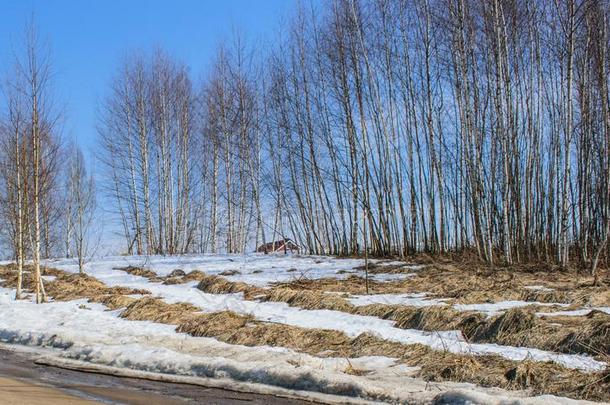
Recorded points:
(425,332)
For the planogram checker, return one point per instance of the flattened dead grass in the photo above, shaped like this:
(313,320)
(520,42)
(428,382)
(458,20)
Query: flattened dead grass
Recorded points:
(218,324)
(493,371)
(243,330)
(220,285)
(381,268)
(308,299)
(433,318)
(591,336)
(541,378)
(470,284)
(113,301)
(352,285)
(473,284)
(9,275)
(515,327)
(157,310)
(66,286)
(140,271)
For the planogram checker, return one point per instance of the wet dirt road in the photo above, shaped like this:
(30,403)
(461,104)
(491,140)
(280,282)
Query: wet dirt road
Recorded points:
(24,382)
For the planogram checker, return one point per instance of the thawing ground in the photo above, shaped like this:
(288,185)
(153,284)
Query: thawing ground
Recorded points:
(89,332)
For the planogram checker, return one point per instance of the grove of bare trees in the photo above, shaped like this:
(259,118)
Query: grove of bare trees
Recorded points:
(391,127)
(34,206)
(377,127)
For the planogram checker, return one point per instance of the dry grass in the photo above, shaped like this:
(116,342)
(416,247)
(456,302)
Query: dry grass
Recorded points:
(541,378)
(220,285)
(381,268)
(516,327)
(113,301)
(218,324)
(243,330)
(573,335)
(157,310)
(65,286)
(194,275)
(352,285)
(229,273)
(140,271)
(177,273)
(591,336)
(492,371)
(492,285)
(308,299)
(513,327)
(433,318)
(9,275)
(176,278)
(456,281)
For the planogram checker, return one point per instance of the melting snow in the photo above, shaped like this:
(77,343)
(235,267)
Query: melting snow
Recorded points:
(88,332)
(352,325)
(538,288)
(577,312)
(415,300)
(499,307)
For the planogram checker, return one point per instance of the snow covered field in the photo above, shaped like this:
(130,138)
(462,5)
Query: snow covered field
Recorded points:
(254,269)
(89,332)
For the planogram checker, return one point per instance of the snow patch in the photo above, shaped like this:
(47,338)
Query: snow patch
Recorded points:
(415,300)
(538,288)
(576,312)
(100,337)
(498,307)
(350,324)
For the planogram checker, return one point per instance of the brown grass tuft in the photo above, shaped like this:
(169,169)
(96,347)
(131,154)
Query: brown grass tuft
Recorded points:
(140,271)
(156,310)
(308,299)
(592,336)
(194,275)
(177,273)
(430,318)
(113,301)
(220,285)
(513,327)
(352,285)
(229,273)
(244,330)
(218,324)
(67,287)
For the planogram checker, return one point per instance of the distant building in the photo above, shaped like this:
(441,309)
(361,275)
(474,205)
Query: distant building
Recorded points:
(279,246)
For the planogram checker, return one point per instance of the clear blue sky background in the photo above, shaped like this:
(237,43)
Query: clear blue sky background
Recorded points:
(88,38)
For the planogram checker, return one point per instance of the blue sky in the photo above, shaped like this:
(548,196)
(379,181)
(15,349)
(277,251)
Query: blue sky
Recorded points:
(89,37)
